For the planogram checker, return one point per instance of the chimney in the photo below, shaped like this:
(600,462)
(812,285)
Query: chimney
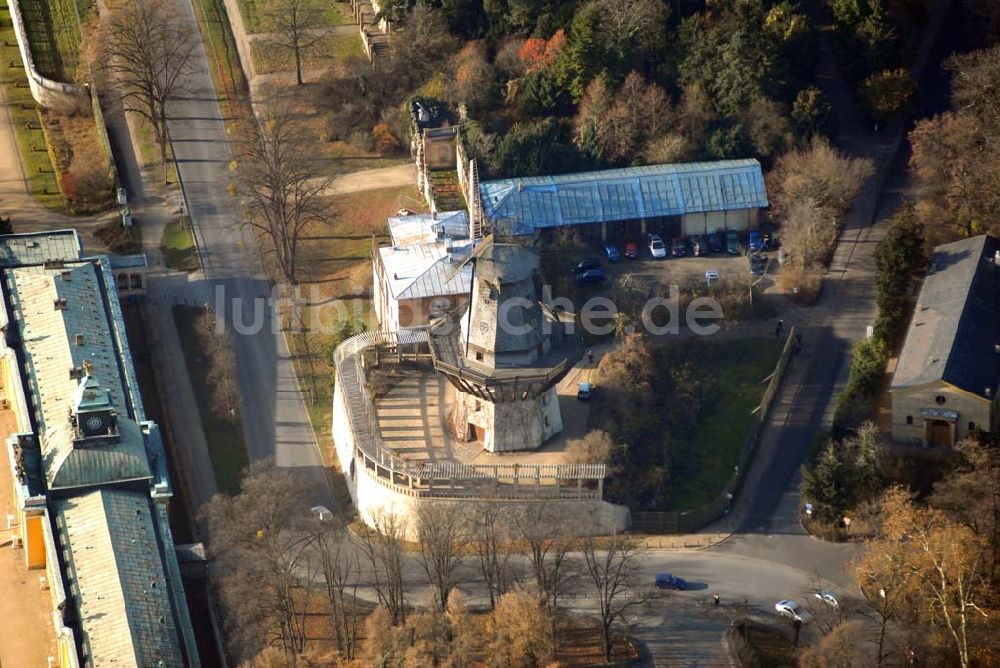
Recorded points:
(66,274)
(60,304)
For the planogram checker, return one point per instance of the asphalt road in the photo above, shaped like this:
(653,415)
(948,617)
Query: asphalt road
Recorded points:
(275,421)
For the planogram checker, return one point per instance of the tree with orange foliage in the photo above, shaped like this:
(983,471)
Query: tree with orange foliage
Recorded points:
(926,567)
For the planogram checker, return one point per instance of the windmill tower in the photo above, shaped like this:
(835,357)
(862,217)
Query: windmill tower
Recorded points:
(505,354)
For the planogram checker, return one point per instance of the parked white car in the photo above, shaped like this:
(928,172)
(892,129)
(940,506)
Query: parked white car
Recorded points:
(656,247)
(827,597)
(792,610)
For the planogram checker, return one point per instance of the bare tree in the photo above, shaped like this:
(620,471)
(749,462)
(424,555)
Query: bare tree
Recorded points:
(297,26)
(145,59)
(260,555)
(442,532)
(280,184)
(221,357)
(492,540)
(612,570)
(341,570)
(382,541)
(548,543)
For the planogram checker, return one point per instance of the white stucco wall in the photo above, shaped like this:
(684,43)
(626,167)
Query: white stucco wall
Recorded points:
(372,498)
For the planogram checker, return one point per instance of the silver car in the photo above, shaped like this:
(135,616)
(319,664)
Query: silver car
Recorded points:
(792,610)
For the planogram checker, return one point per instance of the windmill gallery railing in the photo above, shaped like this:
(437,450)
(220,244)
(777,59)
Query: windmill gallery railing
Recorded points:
(438,479)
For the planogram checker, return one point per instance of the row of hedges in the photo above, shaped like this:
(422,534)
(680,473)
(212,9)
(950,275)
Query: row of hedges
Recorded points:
(898,257)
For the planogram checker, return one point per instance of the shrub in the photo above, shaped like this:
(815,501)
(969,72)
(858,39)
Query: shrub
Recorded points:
(385,141)
(868,360)
(801,284)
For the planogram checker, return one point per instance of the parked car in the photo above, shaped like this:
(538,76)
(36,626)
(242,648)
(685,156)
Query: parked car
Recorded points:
(668,581)
(587,264)
(678,247)
(757,264)
(792,610)
(612,253)
(699,245)
(584,391)
(827,597)
(717,241)
(754,241)
(631,250)
(587,276)
(733,245)
(656,247)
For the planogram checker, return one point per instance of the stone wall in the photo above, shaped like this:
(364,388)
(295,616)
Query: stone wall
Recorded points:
(63,97)
(374,495)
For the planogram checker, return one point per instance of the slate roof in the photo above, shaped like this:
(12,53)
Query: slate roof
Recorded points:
(526,204)
(417,271)
(956,324)
(49,336)
(38,247)
(117,580)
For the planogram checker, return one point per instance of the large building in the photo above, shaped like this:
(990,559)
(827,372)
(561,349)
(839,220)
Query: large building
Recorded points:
(89,469)
(624,204)
(946,380)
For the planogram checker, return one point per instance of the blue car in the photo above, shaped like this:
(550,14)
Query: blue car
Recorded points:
(668,581)
(612,253)
(594,275)
(755,241)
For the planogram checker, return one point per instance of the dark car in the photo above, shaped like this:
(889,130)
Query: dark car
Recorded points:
(631,250)
(678,247)
(717,241)
(757,264)
(612,253)
(733,245)
(586,264)
(699,245)
(668,581)
(754,241)
(595,275)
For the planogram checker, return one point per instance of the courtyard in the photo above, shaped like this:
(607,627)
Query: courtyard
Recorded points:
(414,407)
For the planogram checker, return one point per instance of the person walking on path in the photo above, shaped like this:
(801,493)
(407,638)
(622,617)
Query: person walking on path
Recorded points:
(715,600)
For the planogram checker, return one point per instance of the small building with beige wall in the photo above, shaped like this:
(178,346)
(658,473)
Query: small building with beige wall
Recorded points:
(946,380)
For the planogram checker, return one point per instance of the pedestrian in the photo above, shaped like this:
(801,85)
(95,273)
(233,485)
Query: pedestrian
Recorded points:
(590,356)
(715,599)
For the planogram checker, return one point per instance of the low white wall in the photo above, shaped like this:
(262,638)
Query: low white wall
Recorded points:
(371,497)
(48,93)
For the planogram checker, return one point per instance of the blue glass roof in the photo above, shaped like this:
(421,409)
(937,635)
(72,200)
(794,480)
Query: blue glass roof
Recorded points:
(610,195)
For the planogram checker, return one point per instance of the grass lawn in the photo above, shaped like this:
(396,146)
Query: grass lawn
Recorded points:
(38,168)
(269,58)
(311,355)
(230,80)
(732,372)
(53,28)
(223,432)
(178,246)
(335,14)
(338,253)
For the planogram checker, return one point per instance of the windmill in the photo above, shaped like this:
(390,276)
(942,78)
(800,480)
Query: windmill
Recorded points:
(482,248)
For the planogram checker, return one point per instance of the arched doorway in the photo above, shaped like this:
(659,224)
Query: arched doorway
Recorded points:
(939,433)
